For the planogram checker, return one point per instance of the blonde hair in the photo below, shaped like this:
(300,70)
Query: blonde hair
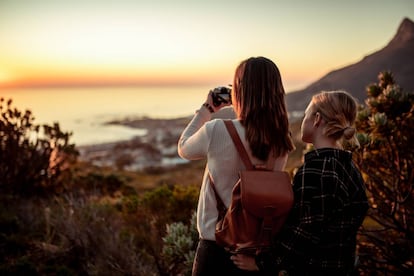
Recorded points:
(339,110)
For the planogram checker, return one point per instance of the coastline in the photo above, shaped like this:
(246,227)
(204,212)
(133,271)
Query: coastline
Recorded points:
(157,148)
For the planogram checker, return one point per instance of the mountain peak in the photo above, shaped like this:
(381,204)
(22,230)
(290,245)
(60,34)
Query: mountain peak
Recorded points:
(405,32)
(397,57)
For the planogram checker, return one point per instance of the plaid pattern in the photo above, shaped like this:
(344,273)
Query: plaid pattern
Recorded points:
(319,237)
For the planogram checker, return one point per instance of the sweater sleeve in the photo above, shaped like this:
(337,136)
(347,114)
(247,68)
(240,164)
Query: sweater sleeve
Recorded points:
(193,143)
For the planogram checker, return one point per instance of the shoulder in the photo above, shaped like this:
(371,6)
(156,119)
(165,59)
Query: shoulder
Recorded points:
(328,158)
(213,124)
(310,172)
(215,127)
(318,167)
(218,123)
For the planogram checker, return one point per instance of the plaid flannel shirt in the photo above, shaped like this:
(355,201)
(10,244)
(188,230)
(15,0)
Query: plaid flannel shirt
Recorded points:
(319,237)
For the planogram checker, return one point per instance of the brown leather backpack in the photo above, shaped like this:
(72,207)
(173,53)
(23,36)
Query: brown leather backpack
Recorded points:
(261,200)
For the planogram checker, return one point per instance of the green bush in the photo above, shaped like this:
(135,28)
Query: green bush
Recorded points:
(170,204)
(179,247)
(155,210)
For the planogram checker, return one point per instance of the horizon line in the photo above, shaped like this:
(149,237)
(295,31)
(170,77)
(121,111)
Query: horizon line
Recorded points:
(79,85)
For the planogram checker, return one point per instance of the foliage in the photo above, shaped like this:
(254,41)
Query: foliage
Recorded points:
(179,247)
(32,156)
(71,236)
(93,221)
(170,203)
(155,210)
(386,159)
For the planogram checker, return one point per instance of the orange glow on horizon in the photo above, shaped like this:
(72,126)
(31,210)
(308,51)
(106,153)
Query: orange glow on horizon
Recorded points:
(71,75)
(43,78)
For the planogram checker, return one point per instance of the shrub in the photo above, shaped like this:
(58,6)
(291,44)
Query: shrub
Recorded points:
(95,239)
(32,156)
(157,208)
(386,159)
(179,247)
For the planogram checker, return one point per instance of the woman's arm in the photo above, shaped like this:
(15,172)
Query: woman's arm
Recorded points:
(193,143)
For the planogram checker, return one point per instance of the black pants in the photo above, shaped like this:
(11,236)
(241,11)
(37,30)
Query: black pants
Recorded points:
(213,260)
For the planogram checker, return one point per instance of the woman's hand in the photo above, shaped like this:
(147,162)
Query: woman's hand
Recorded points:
(244,262)
(209,101)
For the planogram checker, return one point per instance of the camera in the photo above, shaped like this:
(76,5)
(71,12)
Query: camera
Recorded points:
(220,95)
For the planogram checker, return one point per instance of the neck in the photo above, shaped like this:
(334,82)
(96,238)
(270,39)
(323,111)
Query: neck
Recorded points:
(319,140)
(324,142)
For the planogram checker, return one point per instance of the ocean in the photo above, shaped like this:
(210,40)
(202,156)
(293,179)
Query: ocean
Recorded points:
(84,111)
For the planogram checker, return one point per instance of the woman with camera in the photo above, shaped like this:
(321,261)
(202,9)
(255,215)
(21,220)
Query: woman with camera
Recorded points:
(258,100)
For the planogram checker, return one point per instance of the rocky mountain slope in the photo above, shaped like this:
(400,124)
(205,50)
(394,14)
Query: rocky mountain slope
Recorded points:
(397,57)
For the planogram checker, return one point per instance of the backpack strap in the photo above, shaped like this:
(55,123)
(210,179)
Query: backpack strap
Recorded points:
(239,144)
(242,151)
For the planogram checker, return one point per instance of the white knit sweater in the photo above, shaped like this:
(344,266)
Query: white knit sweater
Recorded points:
(205,137)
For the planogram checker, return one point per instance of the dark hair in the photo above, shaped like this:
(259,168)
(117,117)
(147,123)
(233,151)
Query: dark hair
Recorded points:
(260,105)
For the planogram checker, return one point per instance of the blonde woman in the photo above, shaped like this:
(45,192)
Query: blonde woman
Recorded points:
(319,237)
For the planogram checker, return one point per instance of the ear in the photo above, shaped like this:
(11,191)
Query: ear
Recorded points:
(317,120)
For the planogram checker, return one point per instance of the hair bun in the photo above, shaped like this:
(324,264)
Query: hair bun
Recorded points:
(349,132)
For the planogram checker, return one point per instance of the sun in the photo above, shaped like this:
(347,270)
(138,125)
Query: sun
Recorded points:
(6,77)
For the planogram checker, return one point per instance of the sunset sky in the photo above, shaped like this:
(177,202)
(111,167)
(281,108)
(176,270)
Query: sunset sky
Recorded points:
(102,42)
